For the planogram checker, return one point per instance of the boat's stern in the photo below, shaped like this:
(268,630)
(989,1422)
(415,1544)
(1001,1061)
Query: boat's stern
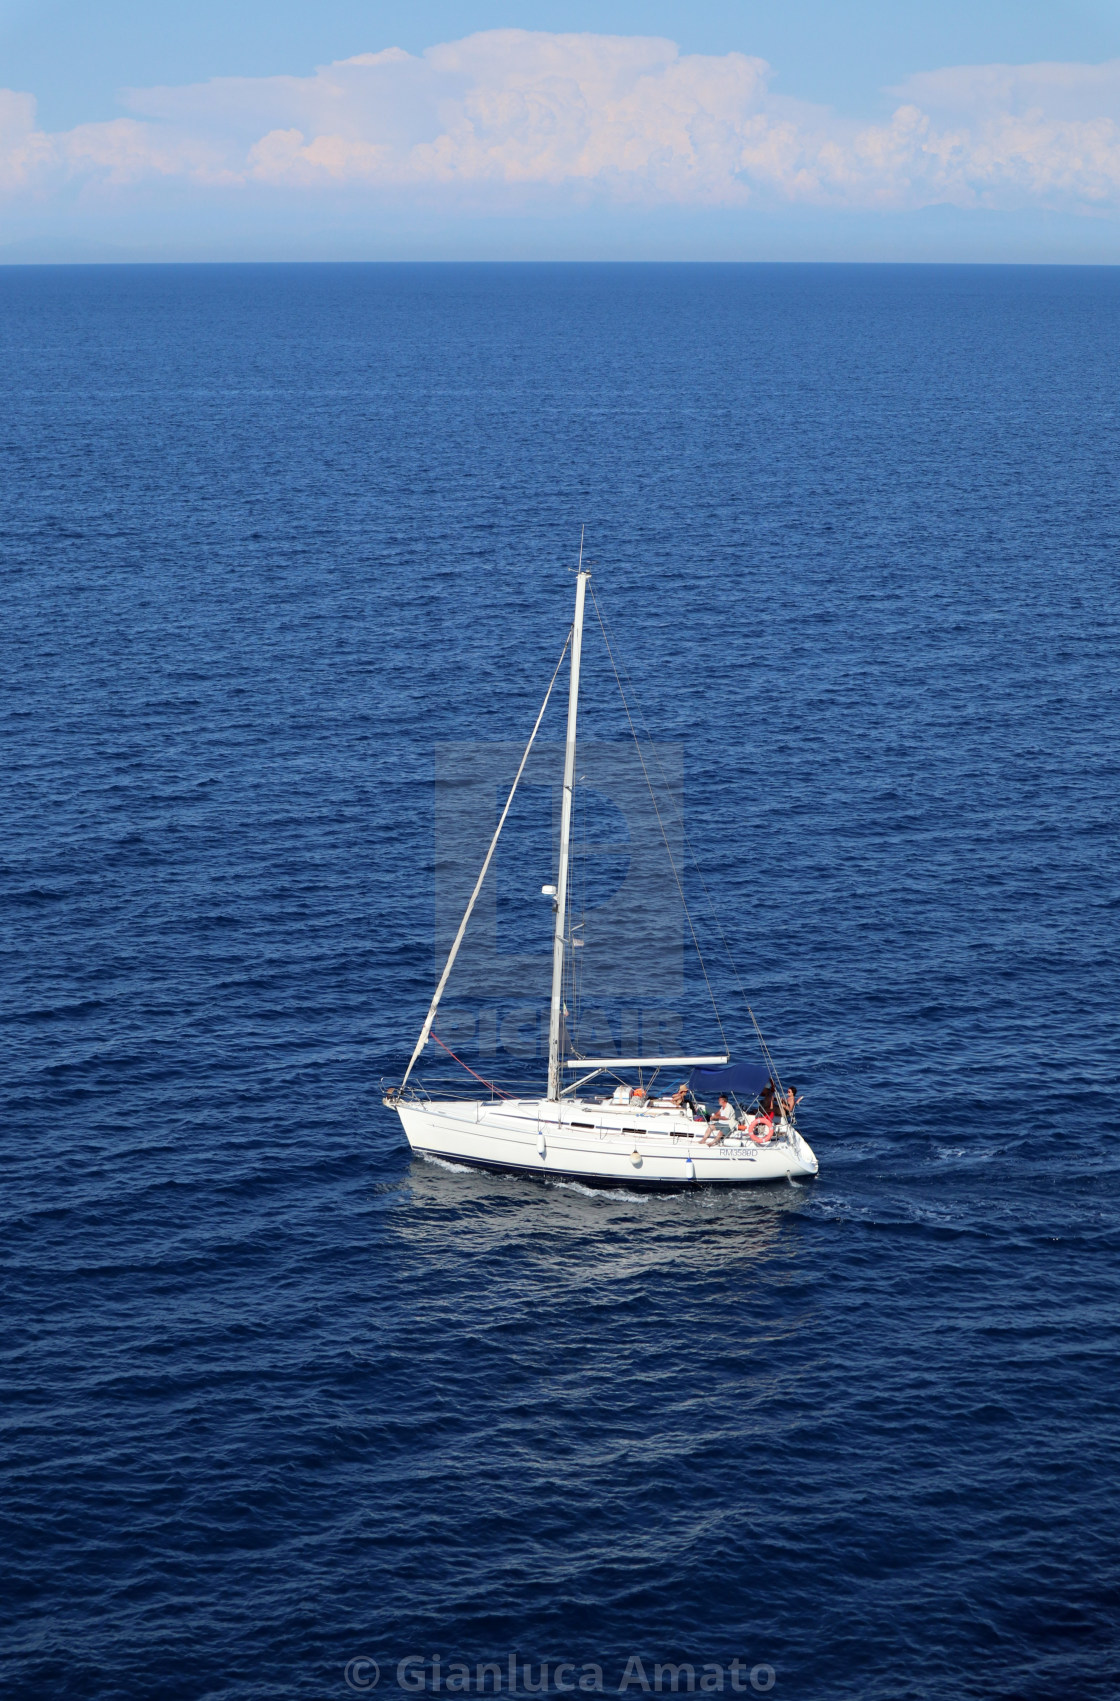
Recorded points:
(806,1156)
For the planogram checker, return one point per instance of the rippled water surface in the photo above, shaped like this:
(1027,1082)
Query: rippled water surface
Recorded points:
(280,1398)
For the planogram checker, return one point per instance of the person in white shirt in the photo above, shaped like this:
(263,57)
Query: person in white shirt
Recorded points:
(721,1124)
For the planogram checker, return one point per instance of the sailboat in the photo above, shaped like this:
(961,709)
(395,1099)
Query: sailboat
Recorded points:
(627,1136)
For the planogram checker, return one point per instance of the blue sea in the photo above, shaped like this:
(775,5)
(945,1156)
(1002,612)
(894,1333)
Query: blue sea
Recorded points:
(288,1413)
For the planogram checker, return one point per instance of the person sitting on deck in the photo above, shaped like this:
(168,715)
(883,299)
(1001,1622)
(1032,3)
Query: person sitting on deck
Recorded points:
(766,1100)
(721,1123)
(682,1099)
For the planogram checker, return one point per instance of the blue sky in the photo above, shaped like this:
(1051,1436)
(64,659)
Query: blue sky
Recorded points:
(719,129)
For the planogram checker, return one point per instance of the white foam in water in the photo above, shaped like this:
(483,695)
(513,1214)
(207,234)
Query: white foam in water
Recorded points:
(442,1163)
(631,1196)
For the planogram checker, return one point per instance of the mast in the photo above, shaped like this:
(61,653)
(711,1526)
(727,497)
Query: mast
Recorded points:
(558,938)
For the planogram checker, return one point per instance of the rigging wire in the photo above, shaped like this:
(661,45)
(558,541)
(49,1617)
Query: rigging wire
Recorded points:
(576,972)
(604,625)
(454,952)
(660,822)
(469,1070)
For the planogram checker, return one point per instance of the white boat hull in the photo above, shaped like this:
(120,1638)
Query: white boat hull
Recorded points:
(598,1144)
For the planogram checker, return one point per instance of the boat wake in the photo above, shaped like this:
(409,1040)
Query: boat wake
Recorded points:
(442,1163)
(628,1194)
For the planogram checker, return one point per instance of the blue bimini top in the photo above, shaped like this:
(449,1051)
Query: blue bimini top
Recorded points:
(745,1080)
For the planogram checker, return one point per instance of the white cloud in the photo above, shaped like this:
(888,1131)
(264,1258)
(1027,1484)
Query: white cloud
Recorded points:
(22,147)
(511,118)
(1062,91)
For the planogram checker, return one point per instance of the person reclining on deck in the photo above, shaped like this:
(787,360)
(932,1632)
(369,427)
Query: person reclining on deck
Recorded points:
(682,1099)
